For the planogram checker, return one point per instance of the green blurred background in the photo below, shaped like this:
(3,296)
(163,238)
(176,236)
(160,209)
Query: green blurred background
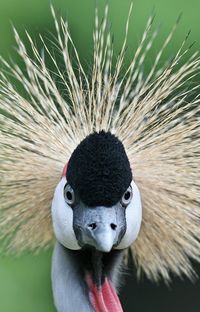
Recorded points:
(25,281)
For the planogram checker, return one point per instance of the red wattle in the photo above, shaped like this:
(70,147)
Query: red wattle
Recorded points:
(64,170)
(103,298)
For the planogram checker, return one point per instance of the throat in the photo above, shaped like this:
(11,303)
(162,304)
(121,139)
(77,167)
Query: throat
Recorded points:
(99,270)
(104,297)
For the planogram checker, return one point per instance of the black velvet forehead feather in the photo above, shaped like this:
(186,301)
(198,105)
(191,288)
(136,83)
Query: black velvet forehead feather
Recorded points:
(99,170)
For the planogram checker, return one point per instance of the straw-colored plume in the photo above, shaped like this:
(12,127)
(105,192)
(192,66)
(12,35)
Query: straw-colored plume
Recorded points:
(157,117)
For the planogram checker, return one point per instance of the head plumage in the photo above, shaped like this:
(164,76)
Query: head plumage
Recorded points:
(99,169)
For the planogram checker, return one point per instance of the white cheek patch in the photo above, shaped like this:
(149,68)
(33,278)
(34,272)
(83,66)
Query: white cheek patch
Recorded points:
(133,219)
(62,216)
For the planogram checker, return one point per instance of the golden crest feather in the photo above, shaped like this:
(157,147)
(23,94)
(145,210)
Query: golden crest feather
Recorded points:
(155,116)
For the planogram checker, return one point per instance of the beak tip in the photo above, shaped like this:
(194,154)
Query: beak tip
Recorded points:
(104,241)
(104,248)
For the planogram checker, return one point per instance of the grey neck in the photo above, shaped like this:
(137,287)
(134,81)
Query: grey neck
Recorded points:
(69,288)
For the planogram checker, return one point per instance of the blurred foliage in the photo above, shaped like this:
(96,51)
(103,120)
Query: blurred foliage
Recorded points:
(25,281)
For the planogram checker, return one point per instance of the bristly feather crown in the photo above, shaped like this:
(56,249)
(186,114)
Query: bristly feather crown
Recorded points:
(155,116)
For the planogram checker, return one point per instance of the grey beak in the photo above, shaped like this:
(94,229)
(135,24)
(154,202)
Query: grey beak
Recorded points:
(102,235)
(100,227)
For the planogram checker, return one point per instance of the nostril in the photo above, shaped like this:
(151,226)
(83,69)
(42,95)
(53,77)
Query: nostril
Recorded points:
(92,226)
(113,226)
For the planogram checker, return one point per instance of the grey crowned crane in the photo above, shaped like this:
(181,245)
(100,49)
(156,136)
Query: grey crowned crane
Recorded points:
(122,133)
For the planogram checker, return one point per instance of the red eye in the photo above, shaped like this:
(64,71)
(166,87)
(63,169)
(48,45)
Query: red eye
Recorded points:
(69,194)
(126,198)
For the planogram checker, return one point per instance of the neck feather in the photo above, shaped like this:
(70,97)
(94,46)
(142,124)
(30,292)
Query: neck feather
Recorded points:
(98,270)
(87,274)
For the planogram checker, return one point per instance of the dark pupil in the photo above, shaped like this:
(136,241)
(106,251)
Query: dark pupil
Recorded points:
(127,195)
(69,195)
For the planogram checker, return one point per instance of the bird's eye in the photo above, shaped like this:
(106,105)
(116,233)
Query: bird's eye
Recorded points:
(69,194)
(126,198)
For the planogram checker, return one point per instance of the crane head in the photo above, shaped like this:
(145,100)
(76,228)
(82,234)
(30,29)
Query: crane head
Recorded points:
(97,203)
